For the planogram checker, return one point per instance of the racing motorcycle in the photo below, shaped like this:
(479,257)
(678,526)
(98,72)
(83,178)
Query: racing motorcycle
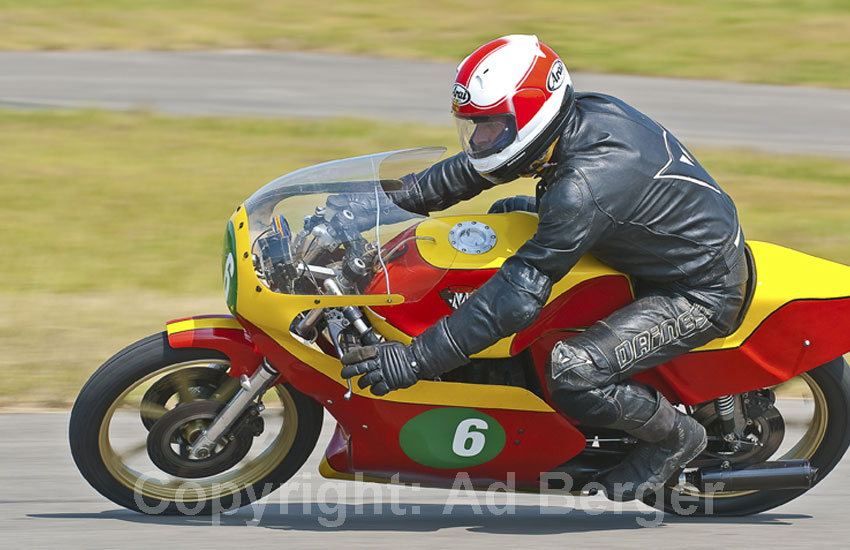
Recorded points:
(220,408)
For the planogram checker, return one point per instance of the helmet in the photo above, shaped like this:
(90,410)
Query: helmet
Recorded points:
(510,101)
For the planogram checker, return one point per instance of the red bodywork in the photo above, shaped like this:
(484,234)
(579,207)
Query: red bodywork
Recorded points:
(367,437)
(234,343)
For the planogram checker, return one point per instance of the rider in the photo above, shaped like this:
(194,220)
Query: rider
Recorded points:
(613,183)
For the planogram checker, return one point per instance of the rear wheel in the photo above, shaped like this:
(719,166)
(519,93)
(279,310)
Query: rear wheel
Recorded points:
(814,408)
(136,417)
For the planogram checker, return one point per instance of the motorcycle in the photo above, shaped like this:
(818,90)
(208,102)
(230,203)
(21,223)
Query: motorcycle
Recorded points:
(220,408)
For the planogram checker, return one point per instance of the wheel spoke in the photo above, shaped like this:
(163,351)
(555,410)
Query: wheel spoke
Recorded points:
(132,451)
(183,384)
(151,410)
(226,390)
(184,449)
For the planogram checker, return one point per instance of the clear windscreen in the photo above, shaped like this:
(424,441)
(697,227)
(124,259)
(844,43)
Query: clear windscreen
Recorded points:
(334,228)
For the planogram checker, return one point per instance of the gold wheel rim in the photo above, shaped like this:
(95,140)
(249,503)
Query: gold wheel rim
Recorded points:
(197,490)
(805,448)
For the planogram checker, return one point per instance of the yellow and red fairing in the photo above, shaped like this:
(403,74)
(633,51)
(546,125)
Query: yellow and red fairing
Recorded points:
(798,298)
(799,318)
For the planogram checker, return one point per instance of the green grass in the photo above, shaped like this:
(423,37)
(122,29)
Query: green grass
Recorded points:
(777,41)
(112,223)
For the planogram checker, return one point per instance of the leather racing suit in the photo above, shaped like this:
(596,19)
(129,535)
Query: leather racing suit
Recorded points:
(624,189)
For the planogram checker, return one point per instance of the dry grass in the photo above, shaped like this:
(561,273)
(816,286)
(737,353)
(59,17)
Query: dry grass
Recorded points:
(778,41)
(52,343)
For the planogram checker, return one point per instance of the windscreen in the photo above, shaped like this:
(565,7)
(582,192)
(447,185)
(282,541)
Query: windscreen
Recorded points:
(341,227)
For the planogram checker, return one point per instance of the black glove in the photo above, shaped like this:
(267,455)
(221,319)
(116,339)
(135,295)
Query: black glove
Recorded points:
(385,367)
(392,365)
(365,206)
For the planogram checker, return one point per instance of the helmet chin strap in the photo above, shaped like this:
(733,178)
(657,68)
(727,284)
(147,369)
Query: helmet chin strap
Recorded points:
(537,168)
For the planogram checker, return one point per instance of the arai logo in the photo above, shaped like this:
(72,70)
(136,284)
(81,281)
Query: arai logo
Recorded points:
(557,75)
(460,95)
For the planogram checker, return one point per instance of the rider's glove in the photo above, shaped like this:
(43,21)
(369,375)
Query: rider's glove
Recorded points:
(392,365)
(385,367)
(367,208)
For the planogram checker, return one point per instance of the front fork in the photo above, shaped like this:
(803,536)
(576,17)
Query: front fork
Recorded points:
(250,389)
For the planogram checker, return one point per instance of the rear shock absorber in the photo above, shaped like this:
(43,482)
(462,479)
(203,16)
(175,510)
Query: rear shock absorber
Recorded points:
(725,407)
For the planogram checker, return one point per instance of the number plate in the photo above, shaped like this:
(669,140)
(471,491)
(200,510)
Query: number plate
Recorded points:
(452,437)
(228,267)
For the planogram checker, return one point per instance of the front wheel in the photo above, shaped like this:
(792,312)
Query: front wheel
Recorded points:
(136,417)
(814,408)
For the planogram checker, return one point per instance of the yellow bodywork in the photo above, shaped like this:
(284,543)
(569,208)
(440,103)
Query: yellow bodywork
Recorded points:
(198,323)
(513,231)
(784,275)
(327,471)
(273,313)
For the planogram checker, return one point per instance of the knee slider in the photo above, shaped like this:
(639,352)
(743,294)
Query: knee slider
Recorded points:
(572,368)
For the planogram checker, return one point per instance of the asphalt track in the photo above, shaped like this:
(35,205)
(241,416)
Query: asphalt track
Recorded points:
(46,504)
(769,118)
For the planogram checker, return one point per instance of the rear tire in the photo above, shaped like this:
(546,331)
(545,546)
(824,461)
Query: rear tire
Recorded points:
(110,476)
(833,381)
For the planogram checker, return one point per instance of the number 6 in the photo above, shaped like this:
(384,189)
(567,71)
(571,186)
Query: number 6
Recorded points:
(463,434)
(229,266)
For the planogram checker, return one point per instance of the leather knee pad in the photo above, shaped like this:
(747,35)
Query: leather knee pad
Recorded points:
(572,367)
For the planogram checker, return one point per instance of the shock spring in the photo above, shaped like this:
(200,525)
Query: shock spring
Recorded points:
(725,407)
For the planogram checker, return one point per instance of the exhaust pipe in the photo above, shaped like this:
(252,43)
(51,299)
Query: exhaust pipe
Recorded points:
(783,474)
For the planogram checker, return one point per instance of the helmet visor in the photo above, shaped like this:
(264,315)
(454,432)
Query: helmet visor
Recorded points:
(484,136)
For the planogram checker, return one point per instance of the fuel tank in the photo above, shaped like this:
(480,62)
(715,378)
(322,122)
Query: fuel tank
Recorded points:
(441,262)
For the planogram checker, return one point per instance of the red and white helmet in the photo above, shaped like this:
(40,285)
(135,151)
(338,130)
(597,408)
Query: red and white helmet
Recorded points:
(510,101)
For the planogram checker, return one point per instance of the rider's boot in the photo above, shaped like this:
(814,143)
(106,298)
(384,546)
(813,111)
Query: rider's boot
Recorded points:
(669,440)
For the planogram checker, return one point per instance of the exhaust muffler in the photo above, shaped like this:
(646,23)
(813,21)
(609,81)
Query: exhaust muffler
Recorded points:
(782,474)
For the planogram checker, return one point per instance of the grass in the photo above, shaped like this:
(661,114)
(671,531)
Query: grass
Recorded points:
(112,222)
(52,343)
(776,41)
(100,201)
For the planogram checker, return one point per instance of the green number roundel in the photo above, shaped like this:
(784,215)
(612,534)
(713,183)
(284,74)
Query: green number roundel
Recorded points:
(228,267)
(452,437)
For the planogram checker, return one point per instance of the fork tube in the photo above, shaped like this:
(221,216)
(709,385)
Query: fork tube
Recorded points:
(251,388)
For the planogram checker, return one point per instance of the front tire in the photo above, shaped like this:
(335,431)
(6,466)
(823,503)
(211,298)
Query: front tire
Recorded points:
(106,413)
(824,443)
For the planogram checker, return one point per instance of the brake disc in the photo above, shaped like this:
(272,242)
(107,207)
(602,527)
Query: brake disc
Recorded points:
(172,436)
(198,383)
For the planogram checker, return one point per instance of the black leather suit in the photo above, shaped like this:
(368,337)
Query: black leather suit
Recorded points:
(625,190)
